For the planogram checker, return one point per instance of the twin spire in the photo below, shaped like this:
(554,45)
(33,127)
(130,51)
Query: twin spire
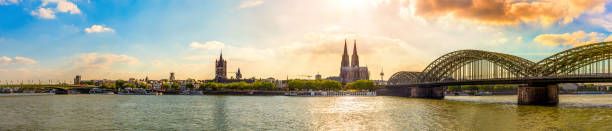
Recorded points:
(355,57)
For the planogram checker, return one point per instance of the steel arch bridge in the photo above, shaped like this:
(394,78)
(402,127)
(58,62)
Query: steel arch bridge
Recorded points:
(569,62)
(404,77)
(585,62)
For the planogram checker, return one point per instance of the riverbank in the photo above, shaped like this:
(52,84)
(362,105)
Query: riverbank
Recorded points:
(25,94)
(290,93)
(227,92)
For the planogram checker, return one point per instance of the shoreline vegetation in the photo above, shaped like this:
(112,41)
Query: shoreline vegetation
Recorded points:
(259,87)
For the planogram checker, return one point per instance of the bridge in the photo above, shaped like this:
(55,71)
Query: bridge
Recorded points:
(584,64)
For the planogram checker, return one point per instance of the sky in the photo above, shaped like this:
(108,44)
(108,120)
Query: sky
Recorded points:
(121,39)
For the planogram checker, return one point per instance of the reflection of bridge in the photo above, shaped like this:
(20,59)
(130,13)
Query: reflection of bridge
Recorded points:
(584,64)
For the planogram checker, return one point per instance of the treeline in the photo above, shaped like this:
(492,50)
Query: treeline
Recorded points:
(482,88)
(329,85)
(122,84)
(257,85)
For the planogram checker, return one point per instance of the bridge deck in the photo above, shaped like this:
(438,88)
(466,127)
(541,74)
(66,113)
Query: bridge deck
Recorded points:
(524,80)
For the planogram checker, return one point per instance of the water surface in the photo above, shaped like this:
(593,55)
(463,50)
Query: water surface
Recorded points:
(175,112)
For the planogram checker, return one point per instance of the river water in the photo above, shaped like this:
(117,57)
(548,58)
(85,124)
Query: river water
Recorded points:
(177,112)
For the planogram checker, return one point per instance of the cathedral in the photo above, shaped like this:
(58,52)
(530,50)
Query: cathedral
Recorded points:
(352,72)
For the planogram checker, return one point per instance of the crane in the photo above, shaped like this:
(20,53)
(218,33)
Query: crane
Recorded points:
(305,76)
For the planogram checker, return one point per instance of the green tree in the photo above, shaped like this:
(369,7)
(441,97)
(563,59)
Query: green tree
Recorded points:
(453,88)
(263,85)
(120,84)
(362,85)
(295,84)
(330,85)
(189,85)
(90,82)
(129,85)
(484,87)
(499,87)
(142,85)
(175,85)
(166,86)
(468,87)
(108,86)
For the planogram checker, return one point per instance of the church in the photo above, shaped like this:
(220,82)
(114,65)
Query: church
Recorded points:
(221,72)
(352,72)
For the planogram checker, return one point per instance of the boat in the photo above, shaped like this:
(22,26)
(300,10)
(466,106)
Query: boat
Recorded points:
(192,93)
(101,91)
(135,91)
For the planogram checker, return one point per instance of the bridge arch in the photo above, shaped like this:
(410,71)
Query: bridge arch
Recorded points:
(445,65)
(569,61)
(404,77)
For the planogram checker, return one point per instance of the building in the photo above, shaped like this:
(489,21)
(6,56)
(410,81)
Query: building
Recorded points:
(352,72)
(318,76)
(238,74)
(77,79)
(172,78)
(220,69)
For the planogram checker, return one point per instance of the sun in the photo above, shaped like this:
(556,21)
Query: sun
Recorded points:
(352,4)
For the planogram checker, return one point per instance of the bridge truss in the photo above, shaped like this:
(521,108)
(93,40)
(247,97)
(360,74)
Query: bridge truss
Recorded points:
(477,65)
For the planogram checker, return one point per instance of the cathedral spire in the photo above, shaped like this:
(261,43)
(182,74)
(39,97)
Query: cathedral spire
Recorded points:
(355,57)
(345,57)
(221,56)
(354,47)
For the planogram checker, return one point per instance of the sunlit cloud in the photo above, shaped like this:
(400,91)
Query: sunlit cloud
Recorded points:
(498,12)
(573,39)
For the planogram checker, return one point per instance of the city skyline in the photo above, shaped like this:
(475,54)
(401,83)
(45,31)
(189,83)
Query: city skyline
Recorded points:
(266,38)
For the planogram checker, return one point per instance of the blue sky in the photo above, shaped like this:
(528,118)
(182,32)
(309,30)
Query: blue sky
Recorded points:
(119,39)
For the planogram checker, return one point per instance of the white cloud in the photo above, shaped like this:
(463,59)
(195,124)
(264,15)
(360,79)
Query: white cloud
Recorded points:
(63,6)
(17,60)
(210,45)
(8,2)
(251,3)
(98,29)
(45,13)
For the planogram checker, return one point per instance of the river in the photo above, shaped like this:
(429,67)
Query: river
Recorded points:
(177,112)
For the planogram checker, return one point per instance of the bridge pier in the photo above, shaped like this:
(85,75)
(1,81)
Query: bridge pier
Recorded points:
(538,94)
(428,92)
